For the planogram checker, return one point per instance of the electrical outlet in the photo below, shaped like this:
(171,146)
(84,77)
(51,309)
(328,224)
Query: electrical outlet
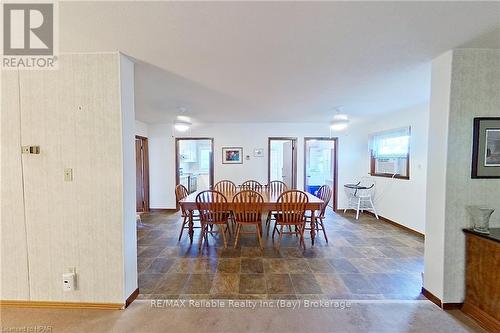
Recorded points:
(68,175)
(69,281)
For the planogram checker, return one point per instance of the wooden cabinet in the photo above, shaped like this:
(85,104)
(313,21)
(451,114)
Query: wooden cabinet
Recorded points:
(482,298)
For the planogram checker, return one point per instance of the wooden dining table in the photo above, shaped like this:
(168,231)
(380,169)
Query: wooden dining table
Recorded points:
(270,204)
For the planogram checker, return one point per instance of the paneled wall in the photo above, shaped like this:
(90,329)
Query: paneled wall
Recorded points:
(75,115)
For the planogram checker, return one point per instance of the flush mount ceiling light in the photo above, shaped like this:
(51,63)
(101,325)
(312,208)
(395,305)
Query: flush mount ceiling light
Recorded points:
(339,122)
(182,123)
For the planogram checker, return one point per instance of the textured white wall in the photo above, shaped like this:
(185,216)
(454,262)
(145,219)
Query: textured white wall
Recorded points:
(248,136)
(470,80)
(475,92)
(74,114)
(141,128)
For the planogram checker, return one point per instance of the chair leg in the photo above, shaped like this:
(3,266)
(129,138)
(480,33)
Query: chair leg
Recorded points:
(281,235)
(274,230)
(357,210)
(237,237)
(323,228)
(373,207)
(223,236)
(259,237)
(301,234)
(202,235)
(182,227)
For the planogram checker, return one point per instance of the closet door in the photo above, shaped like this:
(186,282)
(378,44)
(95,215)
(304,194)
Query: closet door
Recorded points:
(14,261)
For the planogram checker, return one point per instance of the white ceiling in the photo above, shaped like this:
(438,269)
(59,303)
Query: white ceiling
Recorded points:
(277,61)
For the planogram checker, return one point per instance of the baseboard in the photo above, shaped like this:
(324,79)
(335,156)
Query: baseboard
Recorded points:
(430,296)
(482,318)
(132,297)
(162,210)
(61,305)
(445,306)
(396,224)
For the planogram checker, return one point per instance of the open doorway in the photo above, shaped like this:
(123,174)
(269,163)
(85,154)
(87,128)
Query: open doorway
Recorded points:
(194,163)
(142,174)
(282,160)
(320,165)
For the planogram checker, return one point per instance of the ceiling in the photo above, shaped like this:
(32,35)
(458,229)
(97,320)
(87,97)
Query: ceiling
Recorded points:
(277,61)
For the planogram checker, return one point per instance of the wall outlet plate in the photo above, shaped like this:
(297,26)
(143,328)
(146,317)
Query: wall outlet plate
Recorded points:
(69,281)
(68,175)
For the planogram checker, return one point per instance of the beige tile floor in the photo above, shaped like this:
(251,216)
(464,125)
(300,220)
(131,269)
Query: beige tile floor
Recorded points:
(364,259)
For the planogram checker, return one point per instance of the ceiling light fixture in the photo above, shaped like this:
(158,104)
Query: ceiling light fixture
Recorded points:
(339,122)
(182,123)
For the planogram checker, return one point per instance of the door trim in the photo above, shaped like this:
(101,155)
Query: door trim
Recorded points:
(334,164)
(177,162)
(294,158)
(145,170)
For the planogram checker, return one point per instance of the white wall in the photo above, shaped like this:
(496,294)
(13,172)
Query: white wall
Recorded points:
(472,86)
(129,174)
(400,200)
(75,115)
(249,136)
(141,128)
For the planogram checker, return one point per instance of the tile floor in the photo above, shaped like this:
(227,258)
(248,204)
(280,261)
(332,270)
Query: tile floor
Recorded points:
(364,259)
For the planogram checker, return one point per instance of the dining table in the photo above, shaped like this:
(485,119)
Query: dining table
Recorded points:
(270,204)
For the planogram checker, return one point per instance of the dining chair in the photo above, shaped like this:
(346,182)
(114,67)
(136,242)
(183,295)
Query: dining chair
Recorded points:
(251,185)
(181,192)
(325,194)
(212,206)
(275,187)
(225,186)
(247,210)
(291,212)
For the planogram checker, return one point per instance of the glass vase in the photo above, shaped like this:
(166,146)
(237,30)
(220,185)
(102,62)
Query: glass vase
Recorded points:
(480,217)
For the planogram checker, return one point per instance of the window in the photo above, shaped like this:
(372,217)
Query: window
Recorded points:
(390,153)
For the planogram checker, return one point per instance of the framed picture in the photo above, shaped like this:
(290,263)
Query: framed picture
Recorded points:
(486,148)
(258,152)
(232,155)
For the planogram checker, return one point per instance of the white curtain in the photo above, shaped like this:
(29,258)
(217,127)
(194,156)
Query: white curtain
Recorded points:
(391,144)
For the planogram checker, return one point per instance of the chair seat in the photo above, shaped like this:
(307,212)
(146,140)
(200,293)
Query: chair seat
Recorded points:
(279,219)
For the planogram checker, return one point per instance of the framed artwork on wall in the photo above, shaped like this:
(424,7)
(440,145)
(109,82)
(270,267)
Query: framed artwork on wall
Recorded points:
(232,155)
(486,148)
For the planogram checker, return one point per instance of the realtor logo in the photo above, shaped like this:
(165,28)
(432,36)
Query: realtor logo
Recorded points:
(29,35)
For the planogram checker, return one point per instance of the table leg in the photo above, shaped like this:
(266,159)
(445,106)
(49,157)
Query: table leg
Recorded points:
(313,226)
(191,226)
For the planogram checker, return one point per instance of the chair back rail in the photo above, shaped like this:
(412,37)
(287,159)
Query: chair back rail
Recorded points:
(247,206)
(292,206)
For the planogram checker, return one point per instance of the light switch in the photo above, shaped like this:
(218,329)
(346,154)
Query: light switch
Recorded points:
(68,175)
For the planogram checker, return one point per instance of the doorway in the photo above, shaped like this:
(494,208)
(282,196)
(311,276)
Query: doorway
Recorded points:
(282,161)
(141,174)
(194,163)
(320,166)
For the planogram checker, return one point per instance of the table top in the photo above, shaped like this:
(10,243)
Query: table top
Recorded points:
(270,198)
(357,187)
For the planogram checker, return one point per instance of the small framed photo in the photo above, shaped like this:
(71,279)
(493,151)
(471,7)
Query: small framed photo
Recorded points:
(232,155)
(486,148)
(258,152)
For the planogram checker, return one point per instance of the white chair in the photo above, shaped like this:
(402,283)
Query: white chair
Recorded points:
(359,198)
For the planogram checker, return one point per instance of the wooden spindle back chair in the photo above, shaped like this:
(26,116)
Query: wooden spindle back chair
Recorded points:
(325,194)
(277,186)
(225,186)
(213,209)
(247,210)
(292,206)
(181,192)
(251,185)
